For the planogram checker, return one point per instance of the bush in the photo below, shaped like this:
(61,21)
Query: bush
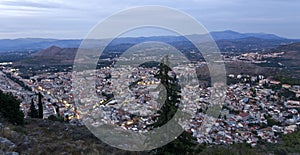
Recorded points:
(10,109)
(54,118)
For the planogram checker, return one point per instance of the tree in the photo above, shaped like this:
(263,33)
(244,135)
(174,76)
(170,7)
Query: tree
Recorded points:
(170,106)
(272,122)
(185,142)
(10,108)
(33,113)
(40,105)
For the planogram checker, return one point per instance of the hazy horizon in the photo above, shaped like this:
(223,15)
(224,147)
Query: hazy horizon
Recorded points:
(133,35)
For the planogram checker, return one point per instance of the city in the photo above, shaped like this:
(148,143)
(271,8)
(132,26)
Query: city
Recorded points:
(255,109)
(108,77)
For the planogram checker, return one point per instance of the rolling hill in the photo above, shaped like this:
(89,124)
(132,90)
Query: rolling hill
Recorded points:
(291,56)
(51,56)
(229,41)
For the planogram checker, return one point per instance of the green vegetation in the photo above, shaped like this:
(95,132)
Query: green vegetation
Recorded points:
(56,118)
(20,129)
(33,113)
(287,94)
(40,105)
(150,64)
(272,122)
(235,149)
(10,109)
(286,77)
(291,142)
(170,106)
(185,143)
(21,83)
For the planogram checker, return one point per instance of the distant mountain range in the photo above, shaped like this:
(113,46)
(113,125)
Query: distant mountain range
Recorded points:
(228,41)
(35,44)
(54,55)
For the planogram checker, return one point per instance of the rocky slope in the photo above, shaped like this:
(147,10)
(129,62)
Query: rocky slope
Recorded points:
(50,137)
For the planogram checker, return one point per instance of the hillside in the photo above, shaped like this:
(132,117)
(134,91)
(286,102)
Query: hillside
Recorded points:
(52,137)
(57,52)
(228,34)
(52,56)
(290,58)
(250,44)
(35,44)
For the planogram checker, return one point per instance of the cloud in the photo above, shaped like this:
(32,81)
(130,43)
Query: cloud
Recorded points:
(31,4)
(71,18)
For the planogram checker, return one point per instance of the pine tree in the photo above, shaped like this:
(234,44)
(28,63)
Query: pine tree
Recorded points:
(33,113)
(170,106)
(185,142)
(40,105)
(10,108)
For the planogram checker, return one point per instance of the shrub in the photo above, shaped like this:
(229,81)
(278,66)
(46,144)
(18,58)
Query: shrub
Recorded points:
(10,109)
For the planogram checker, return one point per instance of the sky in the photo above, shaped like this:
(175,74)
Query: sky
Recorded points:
(73,19)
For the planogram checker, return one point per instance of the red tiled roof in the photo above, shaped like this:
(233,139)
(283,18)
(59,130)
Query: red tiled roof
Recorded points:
(244,114)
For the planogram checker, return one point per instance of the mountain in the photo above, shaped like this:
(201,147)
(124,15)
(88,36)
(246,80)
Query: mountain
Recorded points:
(51,56)
(251,44)
(55,56)
(232,35)
(56,52)
(36,44)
